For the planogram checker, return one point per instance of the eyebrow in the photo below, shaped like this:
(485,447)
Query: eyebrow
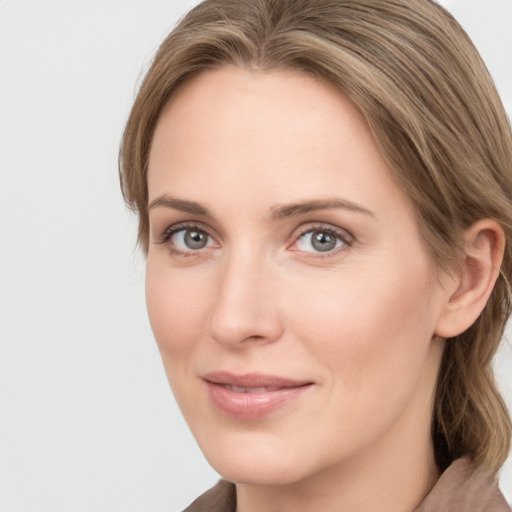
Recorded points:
(291,210)
(179,204)
(277,212)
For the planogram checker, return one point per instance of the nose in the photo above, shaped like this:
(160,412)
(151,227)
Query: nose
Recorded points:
(246,309)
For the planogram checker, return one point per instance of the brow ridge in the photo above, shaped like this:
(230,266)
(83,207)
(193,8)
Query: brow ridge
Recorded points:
(279,212)
(183,205)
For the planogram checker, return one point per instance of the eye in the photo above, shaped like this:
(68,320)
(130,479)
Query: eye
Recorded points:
(321,240)
(183,239)
(190,239)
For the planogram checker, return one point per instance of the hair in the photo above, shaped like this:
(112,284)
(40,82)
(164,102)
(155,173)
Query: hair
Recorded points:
(434,112)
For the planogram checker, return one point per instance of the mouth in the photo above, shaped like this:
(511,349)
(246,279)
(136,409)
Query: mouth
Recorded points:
(252,396)
(240,389)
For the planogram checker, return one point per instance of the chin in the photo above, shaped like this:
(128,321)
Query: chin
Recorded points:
(257,458)
(241,470)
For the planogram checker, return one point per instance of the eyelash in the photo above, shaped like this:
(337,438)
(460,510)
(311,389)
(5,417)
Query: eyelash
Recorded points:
(344,236)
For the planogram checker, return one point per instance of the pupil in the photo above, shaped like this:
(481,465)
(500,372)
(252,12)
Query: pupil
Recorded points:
(195,239)
(323,241)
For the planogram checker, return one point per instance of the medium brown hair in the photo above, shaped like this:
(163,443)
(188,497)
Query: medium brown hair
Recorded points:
(433,110)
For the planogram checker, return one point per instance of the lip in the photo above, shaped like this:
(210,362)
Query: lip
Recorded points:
(252,395)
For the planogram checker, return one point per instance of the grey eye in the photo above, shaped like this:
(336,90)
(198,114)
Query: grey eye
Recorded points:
(195,239)
(319,241)
(322,241)
(190,239)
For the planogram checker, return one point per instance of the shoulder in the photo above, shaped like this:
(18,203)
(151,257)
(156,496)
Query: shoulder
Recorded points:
(220,498)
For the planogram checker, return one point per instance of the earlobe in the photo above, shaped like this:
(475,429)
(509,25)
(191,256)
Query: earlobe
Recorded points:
(472,284)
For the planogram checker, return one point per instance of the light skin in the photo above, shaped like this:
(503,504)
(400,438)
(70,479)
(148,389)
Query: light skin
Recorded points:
(307,263)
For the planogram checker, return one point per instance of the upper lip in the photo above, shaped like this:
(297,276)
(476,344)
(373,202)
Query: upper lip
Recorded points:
(253,380)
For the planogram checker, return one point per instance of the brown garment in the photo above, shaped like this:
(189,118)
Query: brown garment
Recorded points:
(458,490)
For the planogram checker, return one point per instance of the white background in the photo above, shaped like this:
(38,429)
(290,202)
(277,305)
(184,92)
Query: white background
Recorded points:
(87,423)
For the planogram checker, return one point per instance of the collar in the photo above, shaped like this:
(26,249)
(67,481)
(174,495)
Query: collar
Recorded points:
(462,489)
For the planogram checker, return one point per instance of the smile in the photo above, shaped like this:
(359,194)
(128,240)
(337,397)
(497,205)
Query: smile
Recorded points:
(252,396)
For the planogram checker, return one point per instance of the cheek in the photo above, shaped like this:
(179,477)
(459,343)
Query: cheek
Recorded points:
(372,336)
(369,329)
(176,309)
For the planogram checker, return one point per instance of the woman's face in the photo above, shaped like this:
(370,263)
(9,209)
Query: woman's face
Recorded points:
(288,288)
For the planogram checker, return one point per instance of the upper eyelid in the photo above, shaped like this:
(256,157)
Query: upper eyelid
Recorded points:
(179,226)
(326,226)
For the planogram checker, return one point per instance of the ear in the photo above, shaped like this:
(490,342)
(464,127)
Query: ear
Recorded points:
(472,284)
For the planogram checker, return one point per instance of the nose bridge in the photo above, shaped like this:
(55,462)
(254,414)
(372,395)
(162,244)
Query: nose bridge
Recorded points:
(245,308)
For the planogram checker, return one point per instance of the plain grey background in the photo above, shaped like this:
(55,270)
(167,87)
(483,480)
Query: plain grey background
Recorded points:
(87,422)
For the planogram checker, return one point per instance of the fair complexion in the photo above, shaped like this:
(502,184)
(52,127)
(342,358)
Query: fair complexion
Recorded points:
(280,246)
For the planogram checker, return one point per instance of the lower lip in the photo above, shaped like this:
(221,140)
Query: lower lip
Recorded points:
(252,405)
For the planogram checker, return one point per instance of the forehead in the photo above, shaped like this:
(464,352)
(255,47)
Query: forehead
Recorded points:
(279,136)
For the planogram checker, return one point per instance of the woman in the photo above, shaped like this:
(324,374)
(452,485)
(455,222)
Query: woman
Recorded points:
(324,193)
